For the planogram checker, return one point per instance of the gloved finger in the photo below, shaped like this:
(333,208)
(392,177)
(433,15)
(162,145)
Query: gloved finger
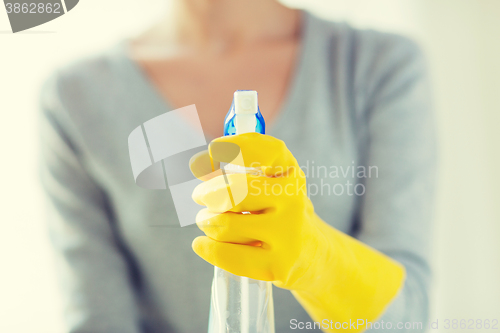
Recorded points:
(241,260)
(257,150)
(202,166)
(243,193)
(232,227)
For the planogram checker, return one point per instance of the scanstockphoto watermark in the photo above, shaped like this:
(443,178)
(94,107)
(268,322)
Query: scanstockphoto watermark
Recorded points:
(263,187)
(327,324)
(26,14)
(322,180)
(161,152)
(312,169)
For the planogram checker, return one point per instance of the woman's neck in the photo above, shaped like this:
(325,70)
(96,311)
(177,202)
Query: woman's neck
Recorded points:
(221,25)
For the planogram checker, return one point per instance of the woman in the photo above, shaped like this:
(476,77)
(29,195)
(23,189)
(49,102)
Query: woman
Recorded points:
(337,96)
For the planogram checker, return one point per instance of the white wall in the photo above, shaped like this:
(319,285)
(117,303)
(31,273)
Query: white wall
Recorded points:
(462,40)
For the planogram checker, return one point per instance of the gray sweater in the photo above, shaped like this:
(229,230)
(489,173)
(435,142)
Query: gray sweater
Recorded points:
(358,98)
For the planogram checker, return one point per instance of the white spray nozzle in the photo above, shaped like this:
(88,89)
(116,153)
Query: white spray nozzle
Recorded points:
(246,107)
(246,102)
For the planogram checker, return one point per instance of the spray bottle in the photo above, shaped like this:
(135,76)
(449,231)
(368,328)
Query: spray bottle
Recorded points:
(240,304)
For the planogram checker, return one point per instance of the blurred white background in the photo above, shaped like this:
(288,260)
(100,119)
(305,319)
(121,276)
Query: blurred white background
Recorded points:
(462,41)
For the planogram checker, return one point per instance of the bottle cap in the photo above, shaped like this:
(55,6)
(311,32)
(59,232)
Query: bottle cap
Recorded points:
(246,102)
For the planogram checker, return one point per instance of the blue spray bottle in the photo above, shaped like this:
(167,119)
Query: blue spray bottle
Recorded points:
(240,304)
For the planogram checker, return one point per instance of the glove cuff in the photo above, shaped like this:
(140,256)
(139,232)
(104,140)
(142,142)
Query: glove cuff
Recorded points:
(346,279)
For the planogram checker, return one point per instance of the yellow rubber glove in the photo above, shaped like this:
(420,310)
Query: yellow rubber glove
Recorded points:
(331,274)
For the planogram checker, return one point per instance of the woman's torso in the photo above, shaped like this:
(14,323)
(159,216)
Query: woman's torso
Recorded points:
(319,120)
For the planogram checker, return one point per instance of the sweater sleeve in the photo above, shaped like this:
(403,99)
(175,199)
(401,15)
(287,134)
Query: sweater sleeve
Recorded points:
(94,275)
(396,210)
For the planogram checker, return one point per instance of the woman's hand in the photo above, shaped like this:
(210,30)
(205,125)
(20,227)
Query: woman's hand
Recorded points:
(333,275)
(281,237)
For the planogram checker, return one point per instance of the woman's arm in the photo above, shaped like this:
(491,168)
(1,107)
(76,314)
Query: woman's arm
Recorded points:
(338,279)
(93,272)
(397,208)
